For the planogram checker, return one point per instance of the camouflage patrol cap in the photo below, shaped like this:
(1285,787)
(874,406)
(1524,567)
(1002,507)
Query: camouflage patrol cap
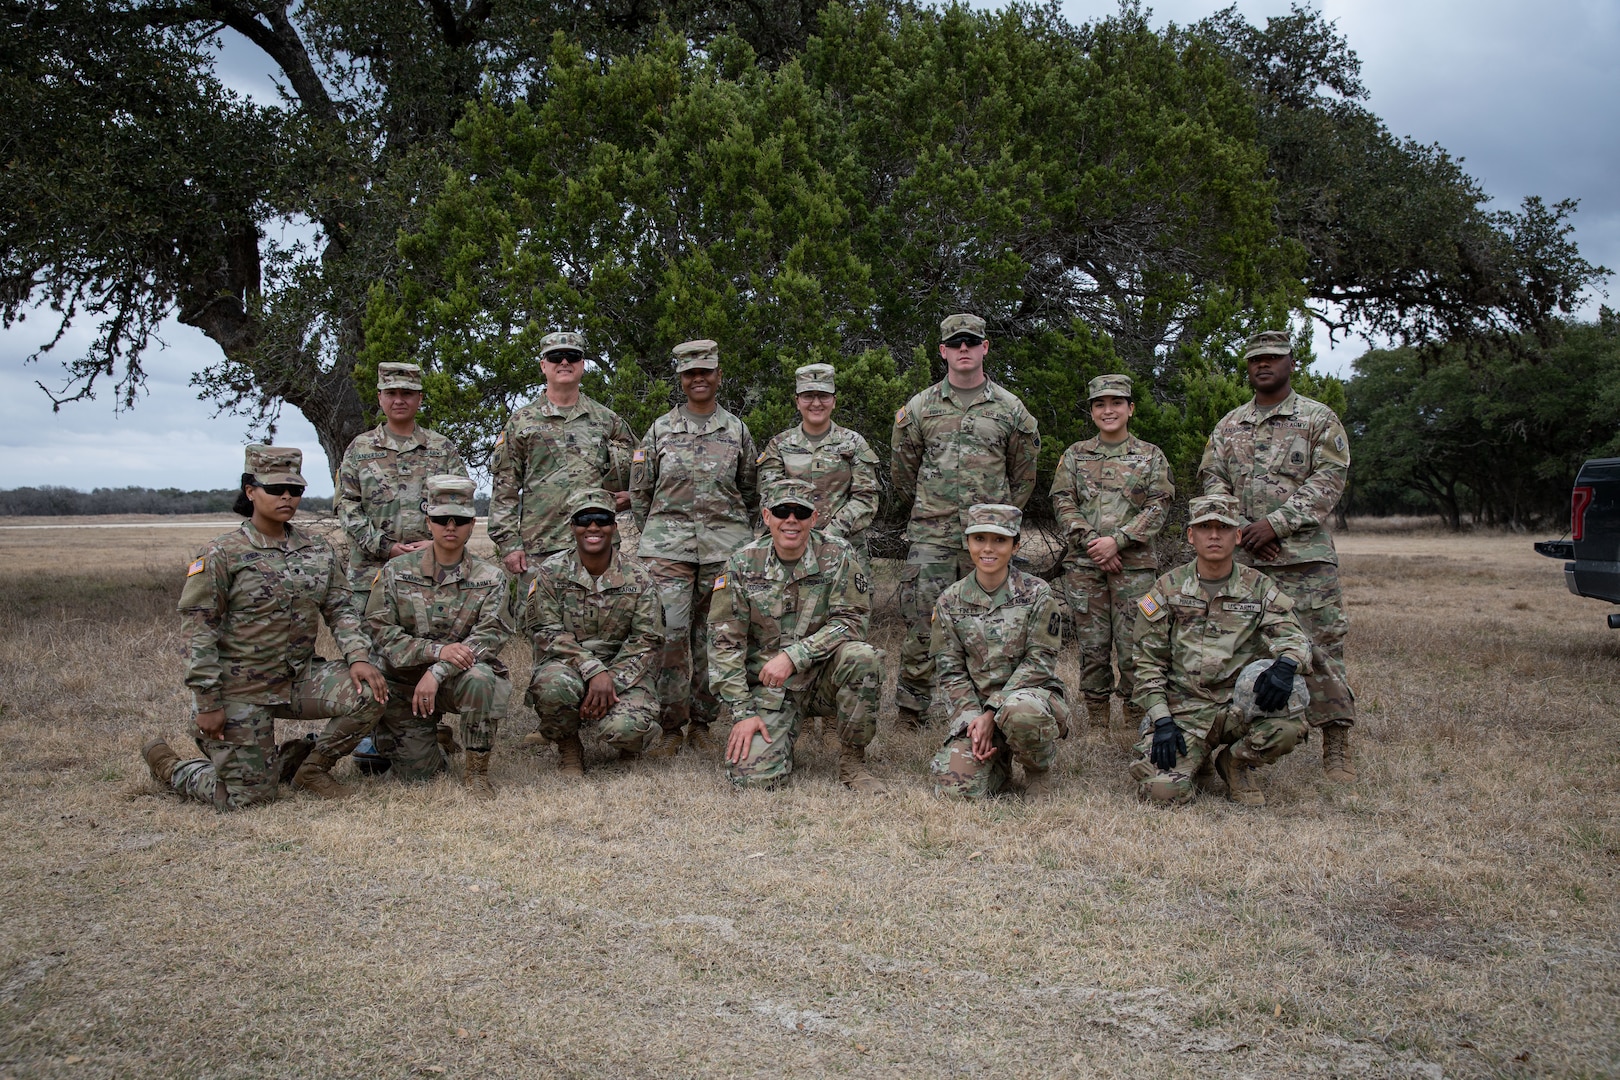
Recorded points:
(1299,698)
(1003,519)
(274,464)
(961,324)
(448,494)
(591,499)
(1109,386)
(393,376)
(1222,508)
(788,491)
(814,378)
(702,353)
(1269,343)
(562,341)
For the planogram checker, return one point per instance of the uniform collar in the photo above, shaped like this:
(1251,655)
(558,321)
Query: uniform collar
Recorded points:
(717,419)
(383,439)
(428,567)
(1232,586)
(611,578)
(1288,406)
(546,408)
(965,398)
(989,601)
(291,542)
(809,563)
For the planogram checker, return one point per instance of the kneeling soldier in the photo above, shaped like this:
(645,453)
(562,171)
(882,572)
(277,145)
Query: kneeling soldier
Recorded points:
(787,636)
(438,619)
(597,626)
(997,633)
(1196,630)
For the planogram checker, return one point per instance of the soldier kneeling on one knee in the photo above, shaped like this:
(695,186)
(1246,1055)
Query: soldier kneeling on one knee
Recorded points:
(1220,662)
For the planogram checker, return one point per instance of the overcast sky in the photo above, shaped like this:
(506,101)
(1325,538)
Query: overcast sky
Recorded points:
(1525,92)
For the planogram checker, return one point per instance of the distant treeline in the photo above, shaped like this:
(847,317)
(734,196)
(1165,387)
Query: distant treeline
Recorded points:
(54,501)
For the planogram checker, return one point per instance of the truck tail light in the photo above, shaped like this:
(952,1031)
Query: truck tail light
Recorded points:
(1579,500)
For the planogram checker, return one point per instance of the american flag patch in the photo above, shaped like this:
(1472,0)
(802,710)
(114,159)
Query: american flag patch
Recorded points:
(719,583)
(195,568)
(1149,606)
(639,455)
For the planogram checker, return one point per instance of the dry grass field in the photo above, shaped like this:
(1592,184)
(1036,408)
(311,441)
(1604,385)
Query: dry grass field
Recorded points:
(1452,914)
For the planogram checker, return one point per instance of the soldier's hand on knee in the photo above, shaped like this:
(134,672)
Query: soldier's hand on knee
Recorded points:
(1168,744)
(212,723)
(458,654)
(599,697)
(1276,683)
(364,675)
(982,730)
(425,694)
(742,737)
(778,671)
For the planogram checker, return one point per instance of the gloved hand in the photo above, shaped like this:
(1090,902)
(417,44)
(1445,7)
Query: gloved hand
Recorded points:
(1272,688)
(1167,743)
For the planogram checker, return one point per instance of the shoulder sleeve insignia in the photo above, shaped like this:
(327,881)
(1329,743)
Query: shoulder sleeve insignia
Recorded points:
(861,584)
(1054,625)
(639,456)
(901,417)
(1338,443)
(1150,606)
(761,459)
(500,440)
(376,579)
(197,567)
(719,583)
(533,585)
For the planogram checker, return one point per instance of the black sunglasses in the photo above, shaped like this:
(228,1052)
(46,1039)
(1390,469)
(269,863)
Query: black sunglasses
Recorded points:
(564,358)
(450,519)
(295,490)
(795,511)
(586,518)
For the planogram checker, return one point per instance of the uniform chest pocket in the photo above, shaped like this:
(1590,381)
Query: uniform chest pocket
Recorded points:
(459,611)
(799,463)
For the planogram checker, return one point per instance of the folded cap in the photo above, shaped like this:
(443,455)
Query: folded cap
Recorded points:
(591,499)
(274,464)
(788,491)
(814,378)
(1222,508)
(698,354)
(1109,386)
(1269,343)
(1003,519)
(448,495)
(562,341)
(392,376)
(961,324)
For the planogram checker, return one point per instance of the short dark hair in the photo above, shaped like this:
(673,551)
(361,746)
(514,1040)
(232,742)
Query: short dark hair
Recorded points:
(243,505)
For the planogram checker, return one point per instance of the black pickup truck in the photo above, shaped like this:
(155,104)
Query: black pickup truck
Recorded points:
(1592,552)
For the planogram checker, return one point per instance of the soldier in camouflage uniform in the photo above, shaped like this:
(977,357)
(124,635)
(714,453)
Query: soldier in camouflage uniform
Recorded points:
(694,490)
(1196,629)
(1112,495)
(552,447)
(836,461)
(787,634)
(996,636)
(597,624)
(250,607)
(439,618)
(962,441)
(1285,458)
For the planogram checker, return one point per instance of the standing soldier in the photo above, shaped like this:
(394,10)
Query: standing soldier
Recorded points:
(836,461)
(438,619)
(997,633)
(597,624)
(694,492)
(1285,458)
(250,608)
(788,634)
(1198,629)
(962,441)
(1112,494)
(552,447)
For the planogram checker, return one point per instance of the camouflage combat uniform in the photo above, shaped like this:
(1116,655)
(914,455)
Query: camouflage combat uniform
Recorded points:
(1288,464)
(582,626)
(998,652)
(416,607)
(1192,640)
(952,448)
(543,456)
(380,496)
(816,611)
(250,609)
(840,466)
(694,491)
(1122,490)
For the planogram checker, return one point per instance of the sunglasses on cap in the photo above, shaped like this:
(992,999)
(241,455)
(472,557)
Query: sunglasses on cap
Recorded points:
(450,519)
(600,518)
(794,511)
(295,490)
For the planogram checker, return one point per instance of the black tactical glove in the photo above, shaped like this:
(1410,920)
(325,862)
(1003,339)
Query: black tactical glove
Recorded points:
(1167,743)
(1272,688)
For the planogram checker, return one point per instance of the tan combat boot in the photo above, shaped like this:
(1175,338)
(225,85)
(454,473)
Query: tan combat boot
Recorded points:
(1037,782)
(699,739)
(853,773)
(571,756)
(909,719)
(315,777)
(446,736)
(1099,711)
(668,745)
(160,759)
(477,775)
(534,738)
(291,755)
(1239,777)
(1337,761)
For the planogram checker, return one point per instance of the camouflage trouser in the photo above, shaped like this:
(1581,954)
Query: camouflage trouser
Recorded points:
(685,588)
(242,769)
(480,694)
(555,693)
(928,571)
(1319,604)
(1028,726)
(848,684)
(1266,737)
(1104,610)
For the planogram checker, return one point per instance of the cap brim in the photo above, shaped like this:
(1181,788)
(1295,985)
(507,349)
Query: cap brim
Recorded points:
(451,509)
(999,530)
(279,478)
(398,384)
(1267,350)
(816,388)
(1222,518)
(696,365)
(1109,393)
(795,501)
